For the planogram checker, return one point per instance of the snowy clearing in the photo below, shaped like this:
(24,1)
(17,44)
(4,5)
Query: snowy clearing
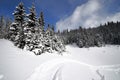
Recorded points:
(95,63)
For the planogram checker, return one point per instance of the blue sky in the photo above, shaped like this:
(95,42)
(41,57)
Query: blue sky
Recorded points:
(53,9)
(68,13)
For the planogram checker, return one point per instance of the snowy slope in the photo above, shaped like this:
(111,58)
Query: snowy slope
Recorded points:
(76,64)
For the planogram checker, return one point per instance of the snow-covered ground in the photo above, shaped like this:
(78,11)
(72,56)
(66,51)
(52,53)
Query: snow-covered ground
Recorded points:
(95,63)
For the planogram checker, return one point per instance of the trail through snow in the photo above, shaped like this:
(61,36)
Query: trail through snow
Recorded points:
(43,72)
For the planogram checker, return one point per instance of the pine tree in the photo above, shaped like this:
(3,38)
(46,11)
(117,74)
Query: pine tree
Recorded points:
(57,44)
(41,21)
(2,25)
(6,29)
(34,33)
(40,34)
(52,41)
(30,29)
(17,27)
(48,39)
(1,22)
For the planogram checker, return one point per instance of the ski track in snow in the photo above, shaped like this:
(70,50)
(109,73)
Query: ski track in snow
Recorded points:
(43,70)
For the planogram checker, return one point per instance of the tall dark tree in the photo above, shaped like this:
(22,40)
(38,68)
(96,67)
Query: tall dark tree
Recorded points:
(2,22)
(7,27)
(17,27)
(52,41)
(41,21)
(2,25)
(34,33)
(30,29)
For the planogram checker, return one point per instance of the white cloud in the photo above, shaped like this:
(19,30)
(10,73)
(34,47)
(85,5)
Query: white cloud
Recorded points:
(90,14)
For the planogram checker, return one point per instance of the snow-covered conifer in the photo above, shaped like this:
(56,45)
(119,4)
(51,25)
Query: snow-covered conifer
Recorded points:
(53,42)
(41,21)
(30,29)
(17,27)
(2,25)
(33,33)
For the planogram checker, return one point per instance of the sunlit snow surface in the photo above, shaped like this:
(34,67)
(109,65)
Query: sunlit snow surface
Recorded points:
(95,63)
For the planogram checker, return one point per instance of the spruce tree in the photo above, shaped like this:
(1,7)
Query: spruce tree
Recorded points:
(53,42)
(6,29)
(30,29)
(41,21)
(48,39)
(17,27)
(2,25)
(34,33)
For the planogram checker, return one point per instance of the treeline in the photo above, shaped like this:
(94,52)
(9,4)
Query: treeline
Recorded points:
(27,32)
(108,33)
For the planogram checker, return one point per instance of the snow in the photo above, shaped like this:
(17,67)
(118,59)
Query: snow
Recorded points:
(107,55)
(95,63)
(1,76)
